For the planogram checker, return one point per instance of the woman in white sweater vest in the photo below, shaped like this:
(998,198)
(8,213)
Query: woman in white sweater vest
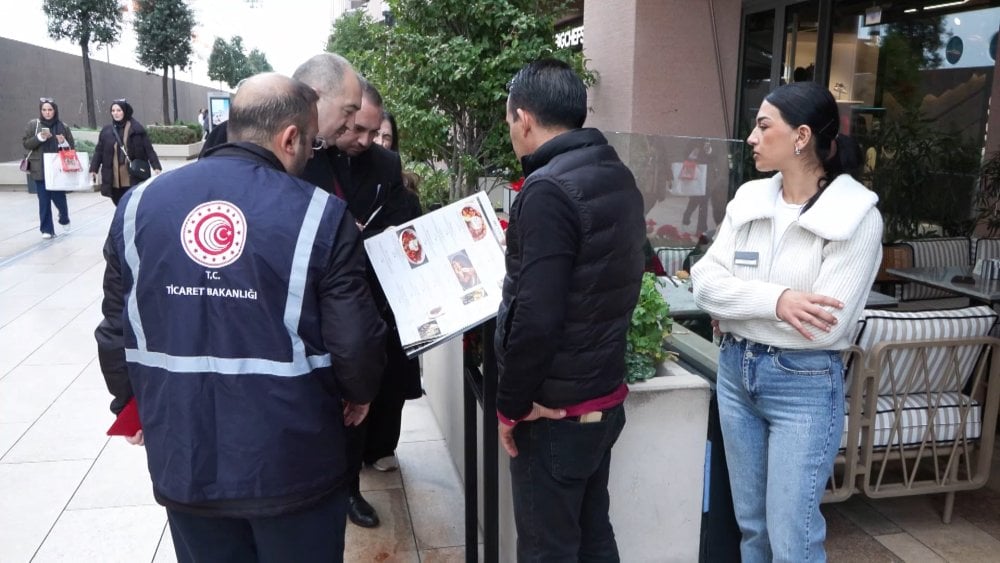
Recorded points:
(786,279)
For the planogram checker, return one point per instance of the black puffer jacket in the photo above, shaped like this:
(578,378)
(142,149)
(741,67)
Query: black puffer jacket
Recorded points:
(574,268)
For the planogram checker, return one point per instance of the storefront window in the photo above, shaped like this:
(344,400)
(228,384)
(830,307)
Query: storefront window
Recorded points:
(914,90)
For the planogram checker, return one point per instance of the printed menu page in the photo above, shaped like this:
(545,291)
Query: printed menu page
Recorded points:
(442,272)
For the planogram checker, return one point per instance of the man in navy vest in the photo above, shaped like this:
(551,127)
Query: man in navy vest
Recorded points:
(238,317)
(574,268)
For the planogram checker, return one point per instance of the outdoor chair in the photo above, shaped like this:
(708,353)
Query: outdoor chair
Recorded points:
(921,414)
(987,249)
(935,252)
(672,257)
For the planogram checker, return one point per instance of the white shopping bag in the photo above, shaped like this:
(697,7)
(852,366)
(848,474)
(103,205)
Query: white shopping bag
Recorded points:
(58,181)
(691,183)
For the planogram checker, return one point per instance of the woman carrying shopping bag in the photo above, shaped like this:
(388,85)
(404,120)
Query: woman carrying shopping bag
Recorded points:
(47,135)
(124,154)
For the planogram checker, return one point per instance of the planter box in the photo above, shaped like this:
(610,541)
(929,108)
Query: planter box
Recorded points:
(183,152)
(657,466)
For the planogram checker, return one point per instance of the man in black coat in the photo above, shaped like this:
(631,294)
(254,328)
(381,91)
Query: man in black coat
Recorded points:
(369,178)
(574,268)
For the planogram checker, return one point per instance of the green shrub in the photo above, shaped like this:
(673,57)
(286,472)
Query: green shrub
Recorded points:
(171,135)
(194,127)
(87,147)
(434,185)
(651,323)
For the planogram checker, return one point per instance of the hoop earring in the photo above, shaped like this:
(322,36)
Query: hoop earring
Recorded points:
(798,151)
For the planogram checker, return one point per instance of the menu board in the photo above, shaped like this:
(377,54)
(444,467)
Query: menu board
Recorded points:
(442,272)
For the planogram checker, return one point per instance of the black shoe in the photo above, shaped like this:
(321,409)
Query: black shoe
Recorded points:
(360,512)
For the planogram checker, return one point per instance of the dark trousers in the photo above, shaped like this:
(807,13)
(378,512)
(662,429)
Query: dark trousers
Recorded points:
(354,445)
(45,201)
(314,534)
(385,419)
(117,194)
(559,482)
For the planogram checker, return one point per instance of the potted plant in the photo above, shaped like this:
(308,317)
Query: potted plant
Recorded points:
(649,327)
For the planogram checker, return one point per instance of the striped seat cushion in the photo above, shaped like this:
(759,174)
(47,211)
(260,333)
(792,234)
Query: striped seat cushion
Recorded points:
(987,249)
(928,253)
(899,326)
(914,416)
(672,257)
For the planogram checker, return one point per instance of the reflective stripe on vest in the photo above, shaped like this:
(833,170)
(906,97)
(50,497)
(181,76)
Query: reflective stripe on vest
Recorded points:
(300,364)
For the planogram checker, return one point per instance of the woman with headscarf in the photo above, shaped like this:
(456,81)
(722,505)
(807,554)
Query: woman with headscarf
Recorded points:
(113,159)
(47,135)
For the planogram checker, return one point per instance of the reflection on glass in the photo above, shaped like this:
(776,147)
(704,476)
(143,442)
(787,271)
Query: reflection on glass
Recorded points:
(685,183)
(756,68)
(917,104)
(801,34)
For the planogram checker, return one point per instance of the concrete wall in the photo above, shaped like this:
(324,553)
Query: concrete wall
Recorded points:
(28,72)
(659,73)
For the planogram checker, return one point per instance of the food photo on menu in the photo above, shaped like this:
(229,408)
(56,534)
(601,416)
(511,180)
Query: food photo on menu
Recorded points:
(412,248)
(462,266)
(474,221)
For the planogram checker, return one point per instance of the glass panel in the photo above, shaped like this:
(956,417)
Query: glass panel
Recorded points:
(914,92)
(685,184)
(756,65)
(801,31)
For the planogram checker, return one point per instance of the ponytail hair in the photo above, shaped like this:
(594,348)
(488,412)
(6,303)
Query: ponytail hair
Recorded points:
(810,104)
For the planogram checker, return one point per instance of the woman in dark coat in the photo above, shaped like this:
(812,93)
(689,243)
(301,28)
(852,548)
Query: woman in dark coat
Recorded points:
(47,135)
(112,161)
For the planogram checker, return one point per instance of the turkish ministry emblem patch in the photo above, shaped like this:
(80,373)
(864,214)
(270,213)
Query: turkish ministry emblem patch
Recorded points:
(214,234)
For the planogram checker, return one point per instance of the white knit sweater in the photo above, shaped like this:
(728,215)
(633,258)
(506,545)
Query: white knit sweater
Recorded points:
(833,249)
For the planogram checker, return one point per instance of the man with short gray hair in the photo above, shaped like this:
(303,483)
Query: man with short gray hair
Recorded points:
(339,89)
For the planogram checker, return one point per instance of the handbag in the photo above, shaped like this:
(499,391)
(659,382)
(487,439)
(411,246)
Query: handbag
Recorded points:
(25,163)
(69,160)
(138,168)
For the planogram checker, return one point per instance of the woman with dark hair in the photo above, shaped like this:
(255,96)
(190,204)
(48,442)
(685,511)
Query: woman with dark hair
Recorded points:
(787,278)
(47,134)
(123,141)
(388,134)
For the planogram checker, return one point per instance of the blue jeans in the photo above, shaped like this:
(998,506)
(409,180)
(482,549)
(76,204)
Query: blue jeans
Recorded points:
(782,416)
(559,484)
(45,201)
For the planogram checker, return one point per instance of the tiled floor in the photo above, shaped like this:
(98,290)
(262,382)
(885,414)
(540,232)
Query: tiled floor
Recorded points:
(68,493)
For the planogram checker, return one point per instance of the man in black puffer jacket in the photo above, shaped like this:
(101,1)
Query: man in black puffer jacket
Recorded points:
(574,267)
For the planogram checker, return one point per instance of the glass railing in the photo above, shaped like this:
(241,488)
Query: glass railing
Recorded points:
(686,183)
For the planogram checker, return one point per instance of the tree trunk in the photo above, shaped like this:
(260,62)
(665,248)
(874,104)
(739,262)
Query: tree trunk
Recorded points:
(173,73)
(88,84)
(166,98)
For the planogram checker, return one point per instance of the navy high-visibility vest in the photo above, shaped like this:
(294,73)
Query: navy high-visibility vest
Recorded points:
(220,262)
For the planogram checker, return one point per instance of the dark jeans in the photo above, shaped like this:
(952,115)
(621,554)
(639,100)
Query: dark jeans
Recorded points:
(559,482)
(45,201)
(314,534)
